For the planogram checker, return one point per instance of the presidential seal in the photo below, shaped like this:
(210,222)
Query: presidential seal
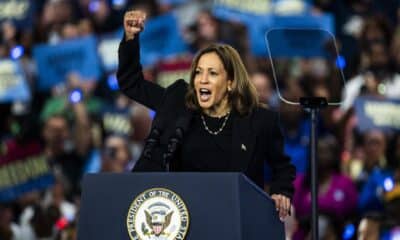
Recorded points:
(157,214)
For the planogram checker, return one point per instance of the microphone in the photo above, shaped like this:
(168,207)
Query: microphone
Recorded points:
(153,139)
(175,141)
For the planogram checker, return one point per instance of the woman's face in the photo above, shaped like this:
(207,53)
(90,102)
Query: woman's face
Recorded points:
(211,84)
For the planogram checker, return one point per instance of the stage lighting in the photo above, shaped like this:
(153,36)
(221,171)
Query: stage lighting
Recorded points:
(388,184)
(94,6)
(17,52)
(349,231)
(76,96)
(340,62)
(118,4)
(112,82)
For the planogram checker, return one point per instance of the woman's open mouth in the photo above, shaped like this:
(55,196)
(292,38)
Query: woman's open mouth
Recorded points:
(205,94)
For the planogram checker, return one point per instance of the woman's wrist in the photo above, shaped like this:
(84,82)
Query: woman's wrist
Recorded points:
(128,38)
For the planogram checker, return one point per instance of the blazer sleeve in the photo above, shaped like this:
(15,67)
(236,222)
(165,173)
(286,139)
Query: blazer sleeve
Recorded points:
(130,76)
(283,171)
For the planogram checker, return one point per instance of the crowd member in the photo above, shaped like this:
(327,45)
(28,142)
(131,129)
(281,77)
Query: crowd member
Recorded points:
(264,86)
(376,66)
(372,156)
(370,226)
(337,195)
(8,229)
(296,128)
(60,152)
(116,154)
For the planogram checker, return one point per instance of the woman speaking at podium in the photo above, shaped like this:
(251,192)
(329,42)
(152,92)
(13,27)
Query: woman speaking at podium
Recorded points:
(213,124)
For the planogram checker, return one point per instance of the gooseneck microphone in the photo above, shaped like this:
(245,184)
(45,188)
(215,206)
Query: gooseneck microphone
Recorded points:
(146,162)
(152,141)
(175,141)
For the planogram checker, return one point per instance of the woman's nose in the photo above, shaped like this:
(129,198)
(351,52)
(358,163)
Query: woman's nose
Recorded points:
(204,78)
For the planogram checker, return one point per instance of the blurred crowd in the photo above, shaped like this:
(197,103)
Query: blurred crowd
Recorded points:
(103,131)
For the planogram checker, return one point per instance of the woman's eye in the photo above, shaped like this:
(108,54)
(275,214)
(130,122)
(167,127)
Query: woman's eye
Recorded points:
(196,72)
(213,73)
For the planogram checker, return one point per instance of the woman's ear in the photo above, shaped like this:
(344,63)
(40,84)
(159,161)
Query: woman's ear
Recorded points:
(229,85)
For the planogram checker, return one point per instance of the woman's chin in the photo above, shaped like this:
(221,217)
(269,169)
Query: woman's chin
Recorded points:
(205,105)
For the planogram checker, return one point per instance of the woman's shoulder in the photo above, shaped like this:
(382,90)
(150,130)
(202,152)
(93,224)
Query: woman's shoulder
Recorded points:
(179,84)
(177,89)
(263,118)
(262,111)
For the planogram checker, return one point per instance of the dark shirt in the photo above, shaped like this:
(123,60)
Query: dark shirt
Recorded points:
(202,151)
(71,166)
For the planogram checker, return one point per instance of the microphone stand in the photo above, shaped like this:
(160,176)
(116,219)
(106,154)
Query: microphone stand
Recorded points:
(312,105)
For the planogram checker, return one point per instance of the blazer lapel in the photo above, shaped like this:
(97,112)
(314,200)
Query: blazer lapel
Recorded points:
(243,142)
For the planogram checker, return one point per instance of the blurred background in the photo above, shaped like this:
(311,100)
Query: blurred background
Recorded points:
(62,115)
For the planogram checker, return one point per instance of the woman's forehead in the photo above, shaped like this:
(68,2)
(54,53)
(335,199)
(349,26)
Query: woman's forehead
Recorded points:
(209,60)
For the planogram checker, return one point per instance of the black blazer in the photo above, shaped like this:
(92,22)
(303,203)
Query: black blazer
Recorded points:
(256,137)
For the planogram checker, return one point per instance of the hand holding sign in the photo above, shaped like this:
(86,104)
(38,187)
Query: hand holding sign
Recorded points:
(133,23)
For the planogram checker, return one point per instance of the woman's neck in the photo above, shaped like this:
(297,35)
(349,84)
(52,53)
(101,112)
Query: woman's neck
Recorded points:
(217,113)
(218,110)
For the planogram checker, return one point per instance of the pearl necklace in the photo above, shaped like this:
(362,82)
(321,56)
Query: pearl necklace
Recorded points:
(220,129)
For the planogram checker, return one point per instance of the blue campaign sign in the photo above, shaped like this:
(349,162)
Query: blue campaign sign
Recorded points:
(20,12)
(238,15)
(161,38)
(233,15)
(108,50)
(13,85)
(117,121)
(261,16)
(300,42)
(23,168)
(239,9)
(245,11)
(34,184)
(173,2)
(54,62)
(261,26)
(377,113)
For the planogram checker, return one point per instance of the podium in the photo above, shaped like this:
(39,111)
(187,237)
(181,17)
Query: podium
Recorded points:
(219,205)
